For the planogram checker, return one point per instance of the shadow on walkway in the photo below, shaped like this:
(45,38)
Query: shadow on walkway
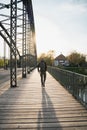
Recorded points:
(47,119)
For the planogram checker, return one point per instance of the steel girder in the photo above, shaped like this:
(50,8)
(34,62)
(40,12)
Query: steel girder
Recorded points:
(5,38)
(28,12)
(13,33)
(29,9)
(24,44)
(28,51)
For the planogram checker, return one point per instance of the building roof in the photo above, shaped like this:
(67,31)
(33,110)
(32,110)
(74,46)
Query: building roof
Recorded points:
(60,57)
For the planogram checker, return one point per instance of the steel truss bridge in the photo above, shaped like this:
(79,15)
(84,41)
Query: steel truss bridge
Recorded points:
(18,31)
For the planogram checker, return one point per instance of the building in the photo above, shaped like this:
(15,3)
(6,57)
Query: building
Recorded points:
(61,61)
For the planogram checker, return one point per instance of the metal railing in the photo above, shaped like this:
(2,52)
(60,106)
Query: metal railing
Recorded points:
(75,83)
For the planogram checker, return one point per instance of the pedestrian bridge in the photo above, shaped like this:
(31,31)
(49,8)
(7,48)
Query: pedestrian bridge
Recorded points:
(33,107)
(24,103)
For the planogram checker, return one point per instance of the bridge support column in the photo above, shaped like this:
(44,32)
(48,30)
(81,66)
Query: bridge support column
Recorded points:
(24,44)
(13,33)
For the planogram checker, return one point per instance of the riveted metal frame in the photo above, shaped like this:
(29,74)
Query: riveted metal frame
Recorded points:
(15,30)
(13,33)
(24,74)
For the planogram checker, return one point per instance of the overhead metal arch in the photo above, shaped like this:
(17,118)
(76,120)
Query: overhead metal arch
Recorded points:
(3,28)
(6,40)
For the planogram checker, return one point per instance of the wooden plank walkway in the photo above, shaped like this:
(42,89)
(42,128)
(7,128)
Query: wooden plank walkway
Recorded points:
(32,107)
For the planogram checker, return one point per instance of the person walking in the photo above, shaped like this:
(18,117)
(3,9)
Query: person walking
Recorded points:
(42,68)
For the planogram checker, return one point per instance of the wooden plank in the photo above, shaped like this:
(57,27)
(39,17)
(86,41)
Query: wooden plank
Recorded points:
(41,120)
(43,125)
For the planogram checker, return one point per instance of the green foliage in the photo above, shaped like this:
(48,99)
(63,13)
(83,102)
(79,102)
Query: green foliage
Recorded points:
(2,64)
(77,62)
(80,70)
(49,57)
(76,59)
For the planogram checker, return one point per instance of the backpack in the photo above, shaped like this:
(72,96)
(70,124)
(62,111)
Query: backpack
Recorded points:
(42,66)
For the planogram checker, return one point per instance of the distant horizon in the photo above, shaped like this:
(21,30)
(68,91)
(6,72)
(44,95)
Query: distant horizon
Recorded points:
(63,54)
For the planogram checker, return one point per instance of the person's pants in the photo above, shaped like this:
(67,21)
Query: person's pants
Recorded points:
(43,77)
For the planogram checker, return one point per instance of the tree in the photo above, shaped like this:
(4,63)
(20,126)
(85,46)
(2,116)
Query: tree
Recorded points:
(76,59)
(1,62)
(49,57)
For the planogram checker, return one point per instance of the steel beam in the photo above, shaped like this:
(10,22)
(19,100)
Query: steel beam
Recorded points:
(8,35)
(27,36)
(13,32)
(24,74)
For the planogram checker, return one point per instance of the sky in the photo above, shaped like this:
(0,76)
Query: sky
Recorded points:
(61,25)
